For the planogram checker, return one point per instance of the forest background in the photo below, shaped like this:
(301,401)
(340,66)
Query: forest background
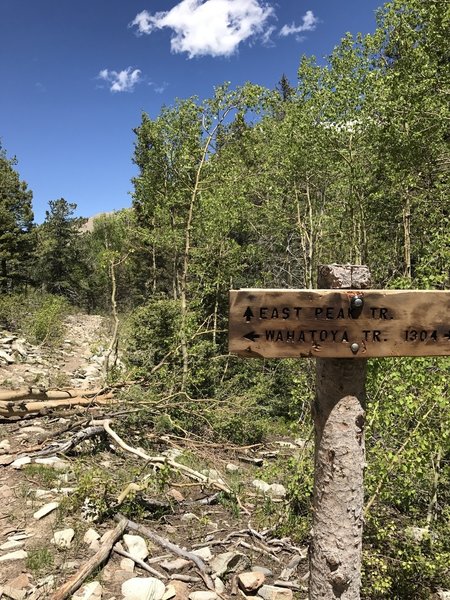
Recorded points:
(255,187)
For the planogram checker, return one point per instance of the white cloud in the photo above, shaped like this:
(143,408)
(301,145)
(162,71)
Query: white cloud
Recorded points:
(121,81)
(309,24)
(208,27)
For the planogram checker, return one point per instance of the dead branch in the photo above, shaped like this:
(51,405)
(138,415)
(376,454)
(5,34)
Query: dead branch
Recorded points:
(14,409)
(139,562)
(162,460)
(62,447)
(171,547)
(93,563)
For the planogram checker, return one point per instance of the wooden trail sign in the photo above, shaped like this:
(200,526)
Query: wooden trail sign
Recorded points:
(339,323)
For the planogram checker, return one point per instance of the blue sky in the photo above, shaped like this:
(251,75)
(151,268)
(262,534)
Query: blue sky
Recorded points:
(75,76)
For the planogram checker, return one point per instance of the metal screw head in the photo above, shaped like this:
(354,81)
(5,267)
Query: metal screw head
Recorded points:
(354,348)
(357,302)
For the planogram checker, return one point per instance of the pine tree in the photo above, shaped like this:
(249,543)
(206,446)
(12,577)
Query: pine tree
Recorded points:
(16,226)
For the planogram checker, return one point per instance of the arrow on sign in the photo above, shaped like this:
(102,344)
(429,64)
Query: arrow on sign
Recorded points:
(248,314)
(252,336)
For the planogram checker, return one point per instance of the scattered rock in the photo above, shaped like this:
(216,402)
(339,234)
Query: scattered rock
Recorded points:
(21,581)
(175,495)
(6,459)
(13,593)
(264,570)
(276,490)
(189,517)
(261,485)
(45,510)
(6,357)
(170,592)
(232,468)
(90,536)
(205,595)
(174,566)
(54,462)
(17,555)
(219,586)
(136,546)
(21,462)
(251,581)
(143,588)
(441,595)
(272,592)
(5,445)
(12,545)
(203,553)
(127,564)
(63,538)
(229,562)
(89,591)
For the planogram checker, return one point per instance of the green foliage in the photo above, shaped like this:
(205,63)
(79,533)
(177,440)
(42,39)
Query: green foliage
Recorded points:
(46,323)
(40,317)
(39,561)
(17,241)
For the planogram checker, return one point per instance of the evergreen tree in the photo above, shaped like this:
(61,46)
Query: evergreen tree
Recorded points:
(16,226)
(60,267)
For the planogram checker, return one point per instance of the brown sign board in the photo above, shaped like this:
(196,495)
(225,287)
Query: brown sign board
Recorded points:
(339,323)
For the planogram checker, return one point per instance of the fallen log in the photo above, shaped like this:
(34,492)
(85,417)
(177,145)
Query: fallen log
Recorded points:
(15,409)
(92,564)
(38,394)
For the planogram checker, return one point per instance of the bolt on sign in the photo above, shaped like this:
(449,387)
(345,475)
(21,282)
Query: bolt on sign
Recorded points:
(339,323)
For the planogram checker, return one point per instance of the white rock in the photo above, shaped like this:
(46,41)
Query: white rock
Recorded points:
(54,462)
(136,546)
(232,468)
(32,429)
(219,586)
(126,564)
(206,595)
(143,588)
(17,555)
(45,510)
(261,485)
(90,536)
(5,445)
(170,592)
(21,462)
(90,591)
(189,517)
(174,566)
(251,581)
(204,553)
(12,545)
(272,592)
(276,490)
(229,562)
(6,357)
(63,538)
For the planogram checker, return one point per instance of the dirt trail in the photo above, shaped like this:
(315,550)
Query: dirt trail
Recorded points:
(76,362)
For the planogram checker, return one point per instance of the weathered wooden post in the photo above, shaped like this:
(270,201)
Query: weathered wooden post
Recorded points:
(339,415)
(341,325)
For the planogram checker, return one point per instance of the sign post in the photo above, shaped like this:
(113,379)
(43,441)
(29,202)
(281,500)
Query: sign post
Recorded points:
(342,325)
